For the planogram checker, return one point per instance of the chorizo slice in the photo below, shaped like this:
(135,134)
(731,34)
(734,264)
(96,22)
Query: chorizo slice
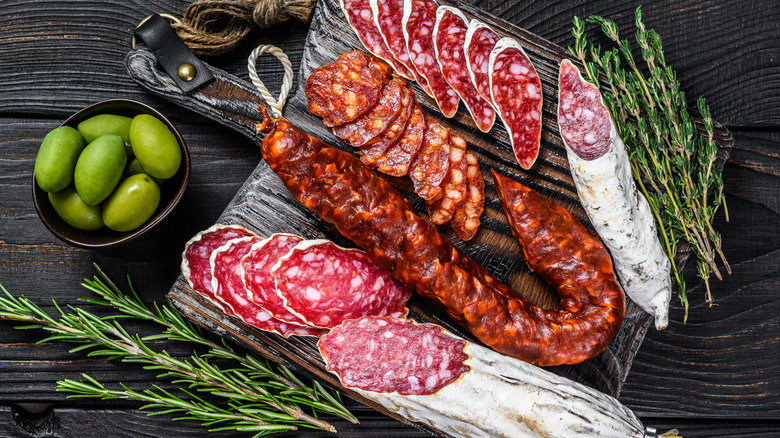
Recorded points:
(324,285)
(397,159)
(195,265)
(347,88)
(454,185)
(368,127)
(418,21)
(372,153)
(466,218)
(371,213)
(479,42)
(229,288)
(516,92)
(360,17)
(432,162)
(449,36)
(388,16)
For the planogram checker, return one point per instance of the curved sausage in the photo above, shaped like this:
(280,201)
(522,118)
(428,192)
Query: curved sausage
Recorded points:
(367,210)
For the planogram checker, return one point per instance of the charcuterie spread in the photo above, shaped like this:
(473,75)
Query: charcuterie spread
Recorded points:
(395,136)
(465,390)
(372,214)
(620,214)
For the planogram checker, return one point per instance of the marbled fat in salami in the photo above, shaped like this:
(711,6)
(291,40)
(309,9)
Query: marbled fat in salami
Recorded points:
(347,88)
(324,285)
(466,219)
(195,265)
(449,35)
(455,184)
(418,22)
(361,18)
(388,355)
(480,40)
(229,288)
(430,166)
(366,128)
(256,274)
(397,159)
(388,17)
(516,91)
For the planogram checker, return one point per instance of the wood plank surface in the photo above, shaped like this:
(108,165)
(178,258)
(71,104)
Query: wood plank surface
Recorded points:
(61,55)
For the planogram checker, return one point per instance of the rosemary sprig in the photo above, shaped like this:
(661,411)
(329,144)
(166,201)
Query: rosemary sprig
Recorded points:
(672,162)
(259,398)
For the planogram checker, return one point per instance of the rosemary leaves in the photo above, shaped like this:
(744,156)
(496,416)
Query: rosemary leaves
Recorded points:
(672,160)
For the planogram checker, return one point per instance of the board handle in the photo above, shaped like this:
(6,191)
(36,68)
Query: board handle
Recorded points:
(227,100)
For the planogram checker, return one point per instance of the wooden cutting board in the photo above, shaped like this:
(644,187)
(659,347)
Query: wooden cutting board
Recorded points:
(265,206)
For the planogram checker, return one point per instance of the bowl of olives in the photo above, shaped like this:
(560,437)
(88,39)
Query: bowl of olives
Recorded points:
(109,173)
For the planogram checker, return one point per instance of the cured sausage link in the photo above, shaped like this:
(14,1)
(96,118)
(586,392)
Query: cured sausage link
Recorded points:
(371,213)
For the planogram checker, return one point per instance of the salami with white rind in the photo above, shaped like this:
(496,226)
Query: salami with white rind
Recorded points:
(324,285)
(388,17)
(516,92)
(361,18)
(620,214)
(480,40)
(496,396)
(449,35)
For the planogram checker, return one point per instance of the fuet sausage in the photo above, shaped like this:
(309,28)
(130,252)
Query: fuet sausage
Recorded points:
(371,213)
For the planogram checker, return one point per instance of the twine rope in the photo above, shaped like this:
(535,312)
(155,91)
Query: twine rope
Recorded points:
(276,104)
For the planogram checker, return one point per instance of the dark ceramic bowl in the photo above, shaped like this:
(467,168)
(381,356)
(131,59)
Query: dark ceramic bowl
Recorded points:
(172,189)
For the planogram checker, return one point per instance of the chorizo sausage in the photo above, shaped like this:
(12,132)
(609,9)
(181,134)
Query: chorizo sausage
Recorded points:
(367,210)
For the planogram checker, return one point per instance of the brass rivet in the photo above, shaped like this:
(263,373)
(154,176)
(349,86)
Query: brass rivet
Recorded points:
(187,72)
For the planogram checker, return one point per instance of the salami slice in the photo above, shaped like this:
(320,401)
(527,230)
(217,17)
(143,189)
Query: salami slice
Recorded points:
(229,288)
(418,21)
(480,40)
(347,88)
(449,35)
(516,91)
(324,285)
(389,355)
(372,153)
(256,274)
(465,221)
(366,128)
(388,17)
(361,18)
(195,265)
(430,166)
(397,159)
(455,183)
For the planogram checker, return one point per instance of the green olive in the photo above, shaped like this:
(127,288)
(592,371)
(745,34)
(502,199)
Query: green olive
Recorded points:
(132,204)
(100,168)
(104,124)
(74,211)
(155,146)
(133,168)
(57,157)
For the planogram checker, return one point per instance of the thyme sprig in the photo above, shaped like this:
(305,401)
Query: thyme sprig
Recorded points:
(673,163)
(260,398)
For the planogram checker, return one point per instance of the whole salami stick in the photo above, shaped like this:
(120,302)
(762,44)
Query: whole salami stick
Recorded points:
(371,213)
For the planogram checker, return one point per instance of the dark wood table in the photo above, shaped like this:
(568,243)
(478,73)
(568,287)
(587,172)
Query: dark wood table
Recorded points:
(716,375)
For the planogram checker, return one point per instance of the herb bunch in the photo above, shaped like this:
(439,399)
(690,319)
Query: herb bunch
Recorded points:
(257,397)
(673,163)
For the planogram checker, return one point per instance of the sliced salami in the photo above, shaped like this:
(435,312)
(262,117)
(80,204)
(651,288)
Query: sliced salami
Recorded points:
(480,40)
(418,21)
(516,91)
(430,166)
(324,285)
(256,274)
(361,18)
(229,288)
(388,355)
(388,17)
(466,219)
(449,36)
(195,265)
(455,184)
(366,128)
(397,159)
(372,153)
(347,88)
